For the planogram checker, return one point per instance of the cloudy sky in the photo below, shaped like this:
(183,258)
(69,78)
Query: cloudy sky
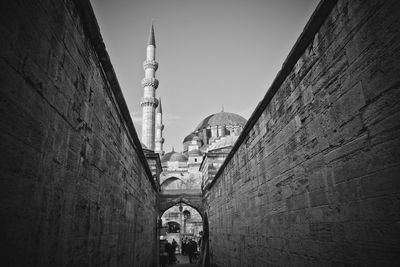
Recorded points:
(211,53)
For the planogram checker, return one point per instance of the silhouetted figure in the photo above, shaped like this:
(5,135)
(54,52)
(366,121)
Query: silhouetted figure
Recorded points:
(191,249)
(174,245)
(170,250)
(184,246)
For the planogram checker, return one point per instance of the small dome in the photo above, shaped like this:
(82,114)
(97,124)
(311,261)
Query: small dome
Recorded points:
(174,156)
(221,119)
(223,142)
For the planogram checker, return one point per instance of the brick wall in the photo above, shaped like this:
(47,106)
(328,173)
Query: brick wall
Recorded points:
(75,187)
(314,177)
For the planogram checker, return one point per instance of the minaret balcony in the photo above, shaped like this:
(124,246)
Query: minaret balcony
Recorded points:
(153,82)
(160,126)
(149,101)
(150,64)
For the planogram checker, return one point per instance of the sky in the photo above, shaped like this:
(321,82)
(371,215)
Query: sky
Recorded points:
(212,54)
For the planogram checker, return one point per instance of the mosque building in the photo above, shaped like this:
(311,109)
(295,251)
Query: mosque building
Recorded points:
(203,151)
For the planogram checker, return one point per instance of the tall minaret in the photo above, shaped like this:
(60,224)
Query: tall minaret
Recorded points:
(159,129)
(149,101)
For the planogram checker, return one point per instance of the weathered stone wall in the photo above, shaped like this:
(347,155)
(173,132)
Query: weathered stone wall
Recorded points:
(314,178)
(75,187)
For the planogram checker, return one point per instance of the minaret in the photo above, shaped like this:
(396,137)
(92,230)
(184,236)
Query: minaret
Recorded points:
(159,128)
(149,101)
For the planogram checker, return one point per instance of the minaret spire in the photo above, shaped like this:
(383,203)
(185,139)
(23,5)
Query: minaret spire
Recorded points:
(149,101)
(152,39)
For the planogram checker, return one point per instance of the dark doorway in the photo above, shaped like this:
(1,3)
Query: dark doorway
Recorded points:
(173,227)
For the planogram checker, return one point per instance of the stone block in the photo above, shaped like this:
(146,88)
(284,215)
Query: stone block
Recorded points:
(297,202)
(318,198)
(381,183)
(379,209)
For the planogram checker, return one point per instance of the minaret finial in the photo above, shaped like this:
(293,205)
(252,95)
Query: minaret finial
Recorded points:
(173,150)
(222,108)
(152,40)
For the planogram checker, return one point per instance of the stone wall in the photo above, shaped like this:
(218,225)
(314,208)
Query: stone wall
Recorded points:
(314,177)
(75,187)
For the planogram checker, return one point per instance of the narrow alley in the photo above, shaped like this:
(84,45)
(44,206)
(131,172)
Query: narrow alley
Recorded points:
(310,178)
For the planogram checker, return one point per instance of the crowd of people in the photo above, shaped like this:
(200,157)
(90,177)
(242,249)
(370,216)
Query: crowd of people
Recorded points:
(188,247)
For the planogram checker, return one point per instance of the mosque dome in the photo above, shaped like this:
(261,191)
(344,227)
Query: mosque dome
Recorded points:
(221,119)
(174,157)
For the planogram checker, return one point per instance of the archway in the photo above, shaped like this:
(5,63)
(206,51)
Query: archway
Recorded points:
(180,200)
(172,183)
(185,217)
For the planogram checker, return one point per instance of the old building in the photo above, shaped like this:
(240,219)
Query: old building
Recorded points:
(210,142)
(214,157)
(216,133)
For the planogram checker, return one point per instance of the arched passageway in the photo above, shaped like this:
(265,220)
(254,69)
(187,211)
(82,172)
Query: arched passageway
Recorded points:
(179,225)
(170,198)
(181,221)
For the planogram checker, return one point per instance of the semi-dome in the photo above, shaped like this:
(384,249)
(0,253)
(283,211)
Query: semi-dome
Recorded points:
(190,137)
(174,157)
(221,119)
(226,141)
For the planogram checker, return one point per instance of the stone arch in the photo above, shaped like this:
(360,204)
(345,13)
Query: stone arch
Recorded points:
(177,175)
(163,207)
(170,180)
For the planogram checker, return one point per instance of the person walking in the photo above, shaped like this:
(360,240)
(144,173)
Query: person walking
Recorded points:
(191,249)
(170,250)
(174,243)
(184,246)
(174,246)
